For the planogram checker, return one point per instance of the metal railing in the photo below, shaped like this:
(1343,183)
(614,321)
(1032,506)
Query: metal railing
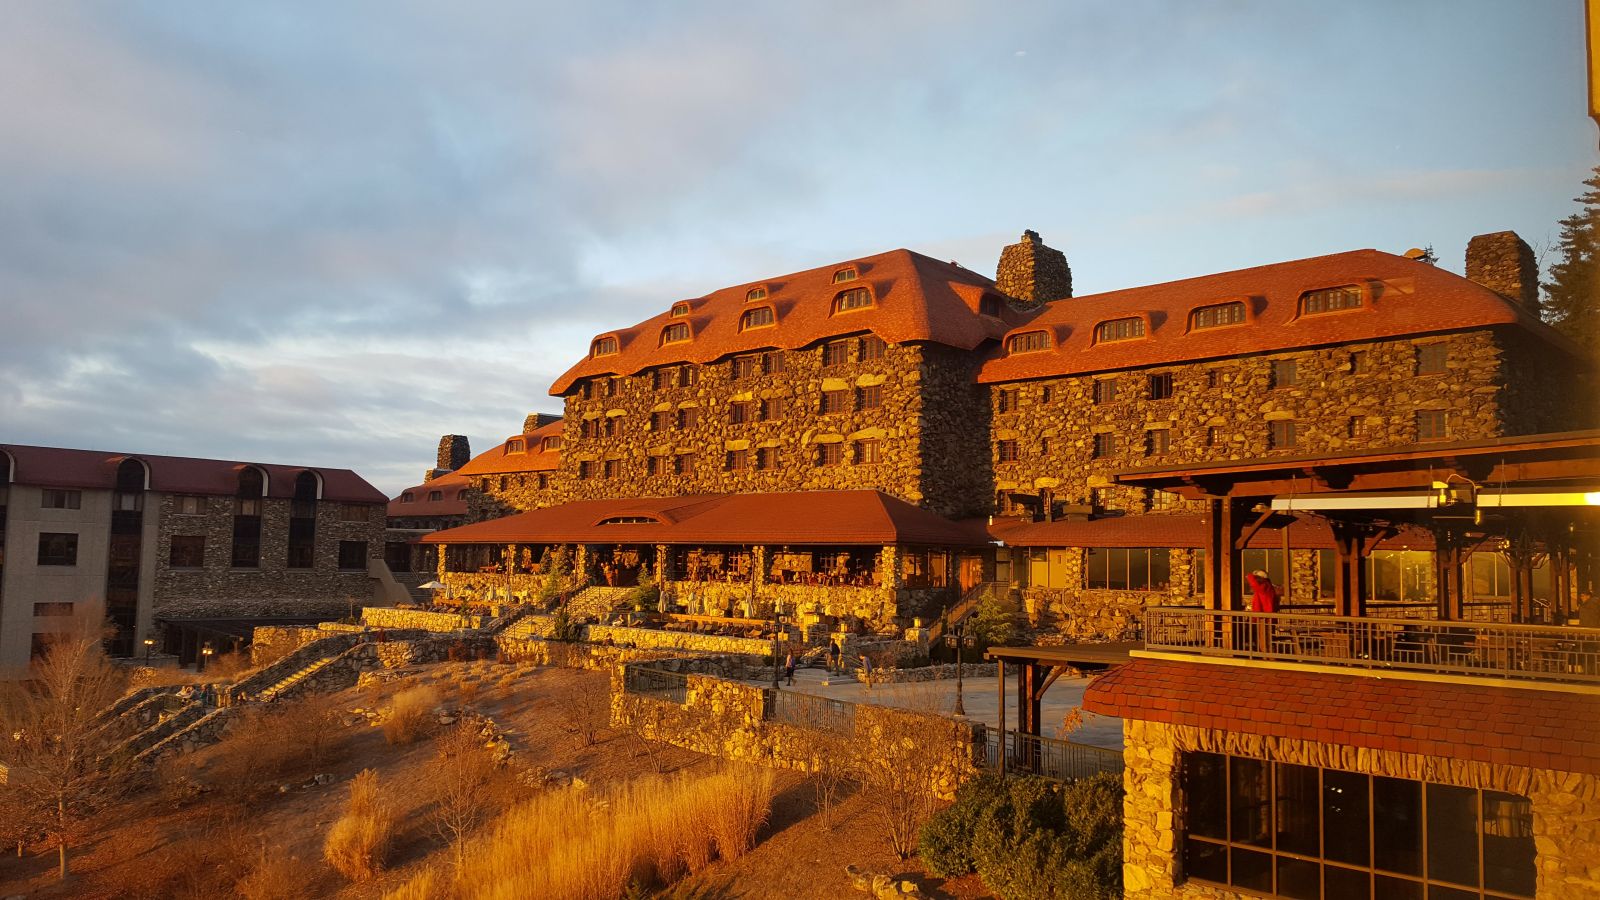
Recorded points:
(657,684)
(1031,754)
(1527,652)
(811,711)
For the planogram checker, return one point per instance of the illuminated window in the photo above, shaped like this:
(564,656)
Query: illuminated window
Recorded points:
(688,376)
(759,317)
(857,298)
(846,274)
(1330,300)
(603,346)
(1157,441)
(676,333)
(1127,569)
(1217,316)
(1119,330)
(1028,342)
(867,452)
(515,445)
(1008,451)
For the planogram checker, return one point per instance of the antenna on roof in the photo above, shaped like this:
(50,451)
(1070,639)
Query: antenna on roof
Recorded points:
(1421,255)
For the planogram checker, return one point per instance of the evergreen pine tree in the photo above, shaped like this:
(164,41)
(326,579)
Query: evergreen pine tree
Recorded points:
(1572,295)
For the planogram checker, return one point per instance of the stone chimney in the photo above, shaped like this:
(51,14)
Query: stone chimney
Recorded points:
(1504,263)
(536,421)
(1032,273)
(454,452)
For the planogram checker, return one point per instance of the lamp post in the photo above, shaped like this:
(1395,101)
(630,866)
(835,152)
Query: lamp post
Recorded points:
(205,654)
(957,637)
(148,643)
(777,619)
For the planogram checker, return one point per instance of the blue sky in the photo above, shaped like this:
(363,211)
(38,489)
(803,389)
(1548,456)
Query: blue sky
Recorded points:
(328,233)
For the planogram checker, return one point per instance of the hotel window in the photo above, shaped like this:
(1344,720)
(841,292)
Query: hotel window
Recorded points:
(1330,300)
(1127,568)
(1214,436)
(610,386)
(1157,441)
(585,470)
(1432,359)
(760,317)
(590,428)
(867,452)
(1028,342)
(1105,391)
(58,549)
(551,443)
(1046,394)
(1282,434)
(872,347)
(771,409)
(1218,315)
(1105,444)
(544,481)
(1360,362)
(660,378)
(614,426)
(688,417)
(772,362)
(1356,427)
(57,608)
(835,353)
(246,549)
(688,376)
(1162,501)
(611,468)
(869,397)
(830,454)
(856,298)
(680,309)
(1302,831)
(195,505)
(655,465)
(755,293)
(1044,446)
(989,305)
(676,333)
(407,497)
(435,496)
(603,346)
(683,463)
(661,420)
(1285,373)
(741,412)
(1432,425)
(352,556)
(846,274)
(54,499)
(766,458)
(1006,400)
(1119,330)
(1007,451)
(738,460)
(1161,386)
(586,390)
(188,551)
(834,402)
(1213,378)
(515,445)
(745,367)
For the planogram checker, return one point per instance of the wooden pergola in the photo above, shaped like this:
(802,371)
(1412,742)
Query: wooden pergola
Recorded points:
(1539,494)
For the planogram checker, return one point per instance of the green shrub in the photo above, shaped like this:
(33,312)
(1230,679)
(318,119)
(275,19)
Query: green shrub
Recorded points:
(946,842)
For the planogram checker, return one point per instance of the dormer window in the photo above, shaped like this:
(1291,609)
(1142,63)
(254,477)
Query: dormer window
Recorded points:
(1217,315)
(551,443)
(858,298)
(627,520)
(759,317)
(1124,329)
(515,445)
(407,497)
(1329,300)
(1027,342)
(755,293)
(603,346)
(680,309)
(848,273)
(989,305)
(435,496)
(676,333)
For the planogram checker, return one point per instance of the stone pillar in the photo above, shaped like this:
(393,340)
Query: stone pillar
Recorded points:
(758,567)
(664,570)
(1504,263)
(1302,577)
(444,552)
(582,567)
(889,576)
(454,452)
(1033,273)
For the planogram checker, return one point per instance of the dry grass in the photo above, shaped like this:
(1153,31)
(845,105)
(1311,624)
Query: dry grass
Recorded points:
(359,842)
(409,715)
(602,846)
(425,885)
(273,743)
(273,877)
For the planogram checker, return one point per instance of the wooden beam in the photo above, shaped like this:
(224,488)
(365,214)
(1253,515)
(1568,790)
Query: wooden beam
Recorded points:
(1250,532)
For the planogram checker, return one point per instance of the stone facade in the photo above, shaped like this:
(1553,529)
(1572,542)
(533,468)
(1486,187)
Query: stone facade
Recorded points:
(1566,806)
(1033,273)
(1504,263)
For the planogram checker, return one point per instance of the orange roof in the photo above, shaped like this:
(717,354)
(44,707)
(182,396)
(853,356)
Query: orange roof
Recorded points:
(1404,297)
(1530,727)
(64,468)
(501,458)
(794,518)
(1178,531)
(452,502)
(915,298)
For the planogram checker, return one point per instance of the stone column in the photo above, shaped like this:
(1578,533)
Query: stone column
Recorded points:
(758,567)
(582,567)
(664,571)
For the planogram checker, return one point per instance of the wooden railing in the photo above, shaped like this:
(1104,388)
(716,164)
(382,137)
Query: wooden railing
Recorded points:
(1031,754)
(1525,652)
(965,606)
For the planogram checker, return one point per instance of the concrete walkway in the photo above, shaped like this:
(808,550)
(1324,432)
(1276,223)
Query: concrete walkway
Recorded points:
(978,697)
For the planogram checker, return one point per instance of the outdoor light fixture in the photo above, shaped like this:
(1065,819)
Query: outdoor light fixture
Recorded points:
(205,654)
(148,643)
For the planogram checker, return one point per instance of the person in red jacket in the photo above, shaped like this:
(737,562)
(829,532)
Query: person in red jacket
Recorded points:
(1263,593)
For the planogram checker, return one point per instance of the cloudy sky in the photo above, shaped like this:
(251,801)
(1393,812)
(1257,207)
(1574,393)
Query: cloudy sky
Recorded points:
(327,233)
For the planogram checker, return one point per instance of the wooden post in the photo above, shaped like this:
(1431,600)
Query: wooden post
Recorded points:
(1000,746)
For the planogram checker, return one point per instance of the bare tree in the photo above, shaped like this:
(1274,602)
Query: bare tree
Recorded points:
(907,758)
(462,776)
(583,710)
(60,771)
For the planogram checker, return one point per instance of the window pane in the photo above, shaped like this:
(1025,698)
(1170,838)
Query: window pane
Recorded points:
(1344,816)
(1117,569)
(1508,844)
(1252,870)
(1397,825)
(1096,568)
(1299,879)
(1205,787)
(1249,800)
(1207,861)
(1160,569)
(1452,834)
(1346,884)
(1388,886)
(1297,809)
(1436,892)
(1138,570)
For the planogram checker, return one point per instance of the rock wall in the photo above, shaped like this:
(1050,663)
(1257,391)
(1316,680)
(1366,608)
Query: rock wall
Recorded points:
(652,639)
(391,618)
(1566,806)
(270,640)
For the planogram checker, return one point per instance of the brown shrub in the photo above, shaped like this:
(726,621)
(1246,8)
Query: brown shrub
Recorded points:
(409,715)
(358,843)
(274,742)
(274,877)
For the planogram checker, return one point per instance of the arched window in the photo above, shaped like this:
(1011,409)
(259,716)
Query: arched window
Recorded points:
(755,293)
(680,309)
(1028,342)
(1123,329)
(552,443)
(1217,315)
(848,273)
(856,298)
(407,497)
(1334,299)
(247,518)
(515,445)
(676,333)
(759,317)
(303,521)
(603,346)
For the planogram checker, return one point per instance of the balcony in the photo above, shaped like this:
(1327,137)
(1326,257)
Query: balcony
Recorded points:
(1533,653)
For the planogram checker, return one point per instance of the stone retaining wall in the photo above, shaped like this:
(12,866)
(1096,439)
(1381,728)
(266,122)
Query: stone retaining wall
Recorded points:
(390,617)
(270,640)
(931,673)
(652,639)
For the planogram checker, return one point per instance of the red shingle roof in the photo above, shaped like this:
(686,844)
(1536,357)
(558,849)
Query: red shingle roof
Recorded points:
(1530,727)
(795,518)
(1177,531)
(1406,297)
(97,469)
(915,298)
(498,460)
(452,502)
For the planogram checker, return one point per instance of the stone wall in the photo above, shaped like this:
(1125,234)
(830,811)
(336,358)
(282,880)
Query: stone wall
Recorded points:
(1540,386)
(389,617)
(652,639)
(272,589)
(483,584)
(1056,419)
(1566,806)
(1033,273)
(269,640)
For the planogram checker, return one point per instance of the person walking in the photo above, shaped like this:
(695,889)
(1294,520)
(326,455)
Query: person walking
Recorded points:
(788,669)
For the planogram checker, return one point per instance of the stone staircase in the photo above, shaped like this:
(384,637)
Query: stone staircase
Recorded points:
(533,627)
(293,682)
(412,582)
(596,603)
(204,728)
